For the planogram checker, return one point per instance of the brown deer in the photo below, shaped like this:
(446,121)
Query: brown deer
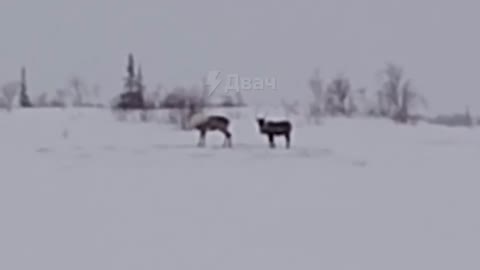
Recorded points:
(204,123)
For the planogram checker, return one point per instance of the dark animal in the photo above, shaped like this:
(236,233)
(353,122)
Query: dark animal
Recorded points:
(212,123)
(275,128)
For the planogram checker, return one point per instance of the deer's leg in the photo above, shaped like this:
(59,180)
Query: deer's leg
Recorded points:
(228,139)
(271,140)
(201,141)
(287,140)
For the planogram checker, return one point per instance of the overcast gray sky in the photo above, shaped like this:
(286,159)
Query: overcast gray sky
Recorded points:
(177,42)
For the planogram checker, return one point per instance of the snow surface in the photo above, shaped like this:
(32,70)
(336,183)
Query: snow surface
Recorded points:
(83,190)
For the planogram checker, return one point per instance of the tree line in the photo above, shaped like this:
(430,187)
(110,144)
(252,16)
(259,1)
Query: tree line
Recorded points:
(133,97)
(396,97)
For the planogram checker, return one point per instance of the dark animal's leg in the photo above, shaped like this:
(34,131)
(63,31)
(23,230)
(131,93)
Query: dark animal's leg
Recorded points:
(271,140)
(287,140)
(203,134)
(228,139)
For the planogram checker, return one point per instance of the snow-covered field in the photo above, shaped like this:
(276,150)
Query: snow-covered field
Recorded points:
(82,190)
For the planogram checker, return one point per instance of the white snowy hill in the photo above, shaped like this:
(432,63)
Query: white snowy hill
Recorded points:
(81,190)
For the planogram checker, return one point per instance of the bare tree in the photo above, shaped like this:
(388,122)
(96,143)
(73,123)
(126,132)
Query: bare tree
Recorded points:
(316,86)
(183,103)
(315,110)
(396,96)
(337,93)
(9,92)
(152,99)
(407,97)
(60,99)
(351,106)
(392,88)
(79,90)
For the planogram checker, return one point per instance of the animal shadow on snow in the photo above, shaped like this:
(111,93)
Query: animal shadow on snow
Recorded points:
(255,151)
(260,151)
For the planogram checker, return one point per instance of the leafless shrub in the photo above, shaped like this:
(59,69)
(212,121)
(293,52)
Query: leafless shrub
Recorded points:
(153,99)
(337,93)
(454,120)
(175,99)
(352,106)
(227,101)
(361,103)
(178,117)
(60,100)
(79,91)
(182,103)
(397,98)
(8,94)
